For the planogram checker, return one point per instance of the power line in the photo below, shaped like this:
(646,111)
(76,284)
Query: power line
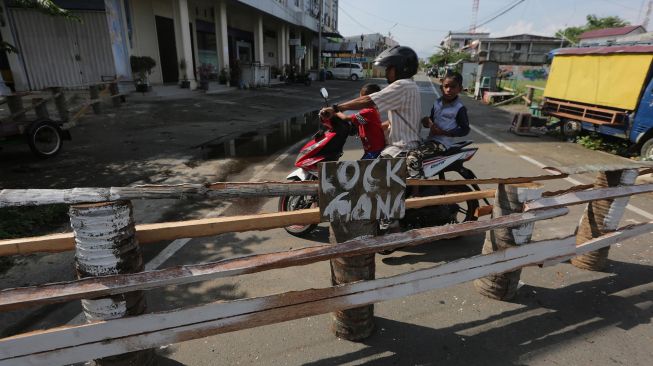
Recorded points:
(390,20)
(356,21)
(500,13)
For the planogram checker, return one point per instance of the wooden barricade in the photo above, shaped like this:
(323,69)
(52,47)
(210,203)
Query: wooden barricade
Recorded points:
(354,289)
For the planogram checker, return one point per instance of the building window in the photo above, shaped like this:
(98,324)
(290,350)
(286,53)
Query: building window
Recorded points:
(517,46)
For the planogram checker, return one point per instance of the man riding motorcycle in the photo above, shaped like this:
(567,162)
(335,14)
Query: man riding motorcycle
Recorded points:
(400,99)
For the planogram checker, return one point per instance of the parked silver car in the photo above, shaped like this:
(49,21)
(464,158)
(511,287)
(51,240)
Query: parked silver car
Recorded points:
(346,70)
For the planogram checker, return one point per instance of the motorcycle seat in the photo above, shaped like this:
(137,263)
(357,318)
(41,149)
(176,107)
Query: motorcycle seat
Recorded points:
(456,147)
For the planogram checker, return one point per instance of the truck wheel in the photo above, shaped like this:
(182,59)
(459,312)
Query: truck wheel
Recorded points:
(646,152)
(45,139)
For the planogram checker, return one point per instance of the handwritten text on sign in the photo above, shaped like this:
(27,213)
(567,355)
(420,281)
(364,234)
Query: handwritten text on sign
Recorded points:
(362,190)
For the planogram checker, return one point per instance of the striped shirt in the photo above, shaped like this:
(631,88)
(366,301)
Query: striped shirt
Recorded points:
(402,102)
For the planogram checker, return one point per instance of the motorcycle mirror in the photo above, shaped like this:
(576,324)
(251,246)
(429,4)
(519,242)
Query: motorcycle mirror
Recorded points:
(325,93)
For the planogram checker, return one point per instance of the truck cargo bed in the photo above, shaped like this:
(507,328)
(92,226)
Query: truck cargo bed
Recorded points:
(583,112)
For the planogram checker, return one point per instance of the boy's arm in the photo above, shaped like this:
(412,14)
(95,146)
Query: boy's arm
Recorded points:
(463,124)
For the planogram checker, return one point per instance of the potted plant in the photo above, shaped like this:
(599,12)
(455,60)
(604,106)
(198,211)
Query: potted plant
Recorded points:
(274,72)
(142,66)
(185,83)
(224,77)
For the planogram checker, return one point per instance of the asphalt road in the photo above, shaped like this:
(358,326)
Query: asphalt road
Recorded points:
(561,315)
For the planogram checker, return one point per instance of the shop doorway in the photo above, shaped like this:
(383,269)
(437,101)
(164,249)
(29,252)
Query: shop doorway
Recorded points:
(165,33)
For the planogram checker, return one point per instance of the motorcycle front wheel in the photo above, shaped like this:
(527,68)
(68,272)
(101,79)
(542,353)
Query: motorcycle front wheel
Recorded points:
(294,203)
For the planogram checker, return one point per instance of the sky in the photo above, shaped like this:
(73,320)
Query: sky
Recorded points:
(422,24)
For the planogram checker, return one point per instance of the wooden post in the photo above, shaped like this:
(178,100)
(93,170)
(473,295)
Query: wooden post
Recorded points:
(60,102)
(41,109)
(106,245)
(15,104)
(353,197)
(94,91)
(602,217)
(530,95)
(113,88)
(357,323)
(509,199)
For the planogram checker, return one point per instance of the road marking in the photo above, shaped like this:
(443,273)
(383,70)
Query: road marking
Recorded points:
(630,207)
(497,142)
(176,245)
(166,253)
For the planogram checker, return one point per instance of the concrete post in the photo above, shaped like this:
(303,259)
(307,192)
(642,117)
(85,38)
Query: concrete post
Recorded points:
(94,91)
(41,109)
(186,44)
(281,44)
(114,90)
(602,217)
(357,323)
(259,53)
(105,244)
(222,40)
(509,199)
(60,102)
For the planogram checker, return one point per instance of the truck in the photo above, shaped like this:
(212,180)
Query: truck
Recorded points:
(608,90)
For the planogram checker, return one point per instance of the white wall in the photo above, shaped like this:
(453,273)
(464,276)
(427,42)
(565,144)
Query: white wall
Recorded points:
(270,46)
(144,35)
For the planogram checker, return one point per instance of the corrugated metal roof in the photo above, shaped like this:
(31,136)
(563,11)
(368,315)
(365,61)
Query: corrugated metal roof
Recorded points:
(607,32)
(603,50)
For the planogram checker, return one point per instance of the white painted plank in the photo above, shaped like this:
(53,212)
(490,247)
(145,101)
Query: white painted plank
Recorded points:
(157,329)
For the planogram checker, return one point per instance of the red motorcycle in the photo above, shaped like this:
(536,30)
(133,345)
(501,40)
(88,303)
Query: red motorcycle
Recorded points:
(326,145)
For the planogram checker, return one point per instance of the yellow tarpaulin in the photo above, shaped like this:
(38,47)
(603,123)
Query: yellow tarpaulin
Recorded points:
(605,80)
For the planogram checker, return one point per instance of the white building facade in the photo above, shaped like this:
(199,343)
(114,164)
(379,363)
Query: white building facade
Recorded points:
(214,34)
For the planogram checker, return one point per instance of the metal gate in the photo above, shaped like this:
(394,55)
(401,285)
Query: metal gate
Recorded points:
(61,52)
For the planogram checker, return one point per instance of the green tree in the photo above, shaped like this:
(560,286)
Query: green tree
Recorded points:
(44,6)
(448,55)
(593,22)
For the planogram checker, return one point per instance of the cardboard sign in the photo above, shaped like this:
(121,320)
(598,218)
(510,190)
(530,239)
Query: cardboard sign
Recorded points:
(362,190)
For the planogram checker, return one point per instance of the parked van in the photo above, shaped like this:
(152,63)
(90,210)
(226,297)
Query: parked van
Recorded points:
(608,90)
(346,70)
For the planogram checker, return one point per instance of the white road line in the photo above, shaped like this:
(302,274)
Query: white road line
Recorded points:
(166,253)
(497,142)
(630,207)
(176,245)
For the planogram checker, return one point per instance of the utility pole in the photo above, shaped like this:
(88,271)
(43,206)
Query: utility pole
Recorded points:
(647,15)
(319,43)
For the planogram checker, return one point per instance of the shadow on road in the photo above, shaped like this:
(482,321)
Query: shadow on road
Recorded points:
(549,317)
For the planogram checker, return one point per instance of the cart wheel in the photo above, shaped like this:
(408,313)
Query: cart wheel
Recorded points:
(44,138)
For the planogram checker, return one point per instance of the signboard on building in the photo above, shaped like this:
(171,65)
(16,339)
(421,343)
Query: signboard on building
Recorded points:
(300,52)
(294,42)
(362,190)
